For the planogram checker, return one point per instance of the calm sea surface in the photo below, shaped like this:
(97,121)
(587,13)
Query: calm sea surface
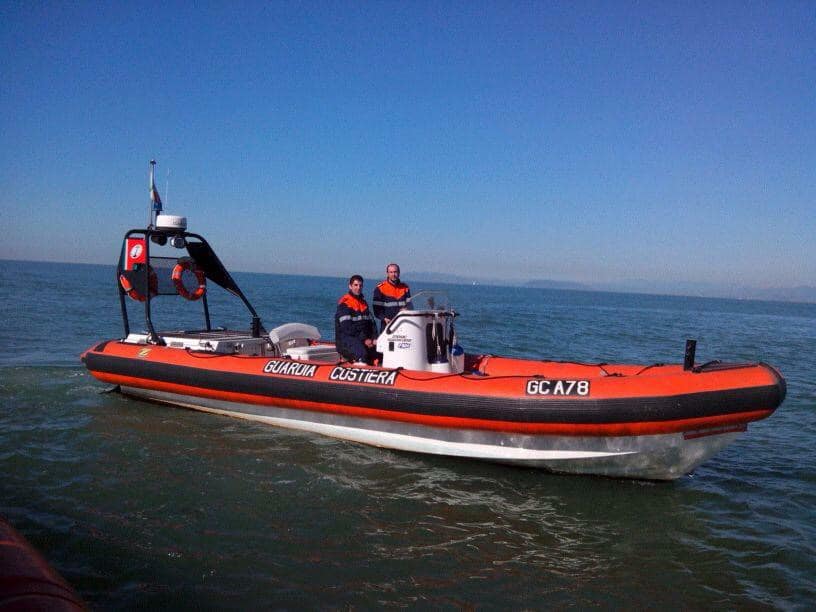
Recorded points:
(144,506)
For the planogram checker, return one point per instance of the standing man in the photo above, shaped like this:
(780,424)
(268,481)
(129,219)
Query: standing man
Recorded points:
(354,329)
(390,296)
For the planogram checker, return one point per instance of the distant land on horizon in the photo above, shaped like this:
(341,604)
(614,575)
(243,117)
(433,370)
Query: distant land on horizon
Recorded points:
(802,293)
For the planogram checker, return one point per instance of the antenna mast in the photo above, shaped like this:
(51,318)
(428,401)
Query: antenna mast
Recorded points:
(155,200)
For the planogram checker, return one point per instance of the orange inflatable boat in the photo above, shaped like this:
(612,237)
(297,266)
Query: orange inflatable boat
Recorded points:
(427,395)
(27,582)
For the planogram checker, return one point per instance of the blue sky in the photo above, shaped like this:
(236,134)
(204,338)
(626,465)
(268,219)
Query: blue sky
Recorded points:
(593,142)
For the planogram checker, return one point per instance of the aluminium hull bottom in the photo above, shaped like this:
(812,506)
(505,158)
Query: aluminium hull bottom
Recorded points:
(649,457)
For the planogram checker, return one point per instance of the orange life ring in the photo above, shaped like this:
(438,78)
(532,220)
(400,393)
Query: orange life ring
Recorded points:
(178,271)
(153,282)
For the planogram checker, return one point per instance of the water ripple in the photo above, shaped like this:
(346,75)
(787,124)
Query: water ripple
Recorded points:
(139,505)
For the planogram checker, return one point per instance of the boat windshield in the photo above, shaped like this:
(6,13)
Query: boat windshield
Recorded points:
(430,300)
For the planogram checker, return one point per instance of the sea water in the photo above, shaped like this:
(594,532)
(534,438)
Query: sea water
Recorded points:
(142,505)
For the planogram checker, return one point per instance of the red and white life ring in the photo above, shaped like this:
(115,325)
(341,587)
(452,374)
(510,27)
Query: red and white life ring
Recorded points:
(153,282)
(188,265)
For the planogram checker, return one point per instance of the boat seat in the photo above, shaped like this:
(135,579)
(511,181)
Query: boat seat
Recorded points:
(316,352)
(291,335)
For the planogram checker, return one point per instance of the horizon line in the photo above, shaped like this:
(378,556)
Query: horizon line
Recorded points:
(517,284)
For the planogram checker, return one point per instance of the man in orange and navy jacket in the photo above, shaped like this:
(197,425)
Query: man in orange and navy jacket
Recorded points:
(390,296)
(355,332)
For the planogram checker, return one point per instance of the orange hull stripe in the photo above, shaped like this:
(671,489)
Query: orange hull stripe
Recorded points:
(561,429)
(658,381)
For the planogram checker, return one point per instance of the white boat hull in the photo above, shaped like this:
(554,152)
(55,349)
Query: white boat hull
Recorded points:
(652,457)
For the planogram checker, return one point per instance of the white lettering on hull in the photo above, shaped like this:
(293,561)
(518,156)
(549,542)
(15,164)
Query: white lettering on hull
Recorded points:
(359,375)
(558,387)
(290,368)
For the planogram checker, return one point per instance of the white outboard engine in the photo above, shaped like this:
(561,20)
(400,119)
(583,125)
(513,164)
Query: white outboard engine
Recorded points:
(423,337)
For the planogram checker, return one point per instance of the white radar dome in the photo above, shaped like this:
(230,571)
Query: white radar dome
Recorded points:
(173,222)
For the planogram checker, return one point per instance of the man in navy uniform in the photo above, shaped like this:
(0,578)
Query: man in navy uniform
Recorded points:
(354,327)
(390,296)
